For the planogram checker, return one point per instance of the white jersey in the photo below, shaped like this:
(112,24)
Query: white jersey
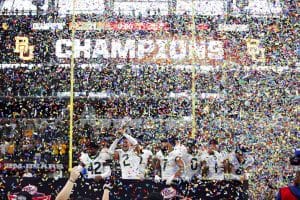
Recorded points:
(238,168)
(215,165)
(181,148)
(129,162)
(168,163)
(96,166)
(192,165)
(144,157)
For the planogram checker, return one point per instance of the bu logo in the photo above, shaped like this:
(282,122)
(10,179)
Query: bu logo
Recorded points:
(23,48)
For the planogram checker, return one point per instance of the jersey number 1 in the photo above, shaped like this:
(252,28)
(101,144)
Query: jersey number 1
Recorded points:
(194,164)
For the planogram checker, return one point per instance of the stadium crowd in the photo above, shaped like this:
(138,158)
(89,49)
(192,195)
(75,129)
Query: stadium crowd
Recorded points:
(253,107)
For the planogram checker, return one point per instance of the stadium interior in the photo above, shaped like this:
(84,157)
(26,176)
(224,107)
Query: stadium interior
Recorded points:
(202,69)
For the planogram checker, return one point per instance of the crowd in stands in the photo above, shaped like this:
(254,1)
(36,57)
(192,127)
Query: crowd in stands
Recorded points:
(257,108)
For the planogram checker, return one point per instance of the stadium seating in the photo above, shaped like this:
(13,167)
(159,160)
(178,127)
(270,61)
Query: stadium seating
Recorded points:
(240,98)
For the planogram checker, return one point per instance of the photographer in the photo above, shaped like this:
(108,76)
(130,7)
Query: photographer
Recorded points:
(292,192)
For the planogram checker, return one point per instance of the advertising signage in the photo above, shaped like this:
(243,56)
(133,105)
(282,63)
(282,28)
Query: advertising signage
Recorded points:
(135,49)
(139,43)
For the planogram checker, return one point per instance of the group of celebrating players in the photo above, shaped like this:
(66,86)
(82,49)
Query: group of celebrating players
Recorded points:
(172,161)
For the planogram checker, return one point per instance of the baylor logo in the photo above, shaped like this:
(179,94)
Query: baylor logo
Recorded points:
(23,48)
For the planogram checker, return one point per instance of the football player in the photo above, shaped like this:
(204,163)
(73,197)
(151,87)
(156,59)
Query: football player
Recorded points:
(191,160)
(145,161)
(96,161)
(170,162)
(212,162)
(179,146)
(128,158)
(240,163)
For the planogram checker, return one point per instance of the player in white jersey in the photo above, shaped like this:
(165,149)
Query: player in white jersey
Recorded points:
(212,162)
(96,162)
(240,164)
(192,165)
(170,163)
(128,158)
(145,156)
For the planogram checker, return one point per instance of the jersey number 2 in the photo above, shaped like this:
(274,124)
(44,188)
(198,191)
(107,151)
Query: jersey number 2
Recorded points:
(126,162)
(94,168)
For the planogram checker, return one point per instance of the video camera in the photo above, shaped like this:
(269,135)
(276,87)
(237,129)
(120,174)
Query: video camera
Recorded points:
(295,160)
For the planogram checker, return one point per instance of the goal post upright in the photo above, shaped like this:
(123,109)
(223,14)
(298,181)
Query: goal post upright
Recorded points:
(193,89)
(71,105)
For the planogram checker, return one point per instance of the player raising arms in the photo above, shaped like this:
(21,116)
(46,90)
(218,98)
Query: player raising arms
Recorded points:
(127,157)
(170,162)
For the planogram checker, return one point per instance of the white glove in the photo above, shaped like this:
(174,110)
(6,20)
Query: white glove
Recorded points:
(169,180)
(157,179)
(84,158)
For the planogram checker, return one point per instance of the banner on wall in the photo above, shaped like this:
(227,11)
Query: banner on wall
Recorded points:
(48,26)
(120,26)
(23,166)
(128,26)
(36,48)
(145,50)
(233,27)
(257,8)
(175,50)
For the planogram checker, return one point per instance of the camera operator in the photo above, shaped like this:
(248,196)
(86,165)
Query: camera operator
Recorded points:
(292,192)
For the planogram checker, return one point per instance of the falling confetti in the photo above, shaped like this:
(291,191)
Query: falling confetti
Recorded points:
(138,67)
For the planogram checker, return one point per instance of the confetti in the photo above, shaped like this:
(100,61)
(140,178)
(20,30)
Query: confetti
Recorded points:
(134,68)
